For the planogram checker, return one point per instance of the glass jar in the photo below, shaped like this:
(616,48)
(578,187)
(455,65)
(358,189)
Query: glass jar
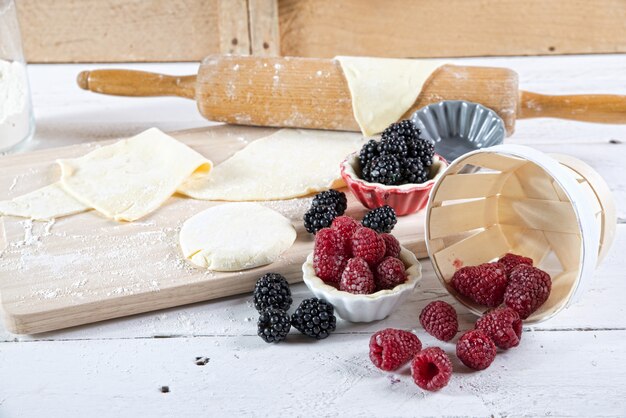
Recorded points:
(17,123)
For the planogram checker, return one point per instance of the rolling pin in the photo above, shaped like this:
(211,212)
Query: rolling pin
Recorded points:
(313,93)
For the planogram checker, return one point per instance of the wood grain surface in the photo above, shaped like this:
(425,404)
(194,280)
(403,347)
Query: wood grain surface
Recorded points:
(86,268)
(187,30)
(233,27)
(461,28)
(118,30)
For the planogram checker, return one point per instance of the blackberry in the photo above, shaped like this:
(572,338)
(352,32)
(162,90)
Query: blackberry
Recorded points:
(332,198)
(272,291)
(315,318)
(381,220)
(368,152)
(404,130)
(417,147)
(318,217)
(393,146)
(413,171)
(422,148)
(273,325)
(384,169)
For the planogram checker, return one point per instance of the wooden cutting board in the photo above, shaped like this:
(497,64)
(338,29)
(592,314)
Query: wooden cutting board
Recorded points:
(86,268)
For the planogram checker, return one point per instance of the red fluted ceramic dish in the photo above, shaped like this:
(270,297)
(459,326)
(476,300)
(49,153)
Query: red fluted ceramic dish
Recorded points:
(404,199)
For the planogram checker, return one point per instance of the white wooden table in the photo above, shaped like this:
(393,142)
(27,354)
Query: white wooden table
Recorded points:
(572,365)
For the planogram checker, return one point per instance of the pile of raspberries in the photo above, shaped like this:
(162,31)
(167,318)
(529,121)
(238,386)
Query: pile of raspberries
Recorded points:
(357,259)
(511,280)
(431,368)
(524,290)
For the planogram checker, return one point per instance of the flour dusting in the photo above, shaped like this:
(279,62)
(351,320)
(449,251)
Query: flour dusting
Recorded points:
(85,257)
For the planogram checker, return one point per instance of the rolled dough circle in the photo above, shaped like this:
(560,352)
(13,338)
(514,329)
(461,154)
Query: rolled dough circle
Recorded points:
(235,236)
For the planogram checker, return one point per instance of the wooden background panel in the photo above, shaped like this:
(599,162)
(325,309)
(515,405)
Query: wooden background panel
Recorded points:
(233,27)
(427,28)
(188,30)
(118,30)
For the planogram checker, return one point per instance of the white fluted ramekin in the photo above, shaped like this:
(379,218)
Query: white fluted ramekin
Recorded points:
(365,308)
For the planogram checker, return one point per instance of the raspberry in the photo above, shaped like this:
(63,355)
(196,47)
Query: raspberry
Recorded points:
(484,284)
(329,258)
(357,278)
(366,243)
(431,368)
(392,246)
(329,268)
(391,348)
(510,260)
(328,241)
(389,273)
(475,349)
(528,289)
(439,320)
(503,326)
(346,227)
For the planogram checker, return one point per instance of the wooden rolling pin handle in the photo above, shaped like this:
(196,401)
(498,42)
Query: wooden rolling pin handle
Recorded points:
(137,83)
(599,108)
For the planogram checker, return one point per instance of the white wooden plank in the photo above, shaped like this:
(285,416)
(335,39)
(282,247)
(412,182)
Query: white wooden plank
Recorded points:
(551,373)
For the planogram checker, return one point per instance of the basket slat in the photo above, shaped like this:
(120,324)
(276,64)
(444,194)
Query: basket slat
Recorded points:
(602,192)
(513,188)
(469,186)
(543,215)
(463,217)
(566,247)
(497,162)
(531,243)
(476,249)
(562,290)
(537,184)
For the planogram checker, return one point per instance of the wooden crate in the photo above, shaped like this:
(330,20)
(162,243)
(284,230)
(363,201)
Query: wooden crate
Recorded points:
(187,30)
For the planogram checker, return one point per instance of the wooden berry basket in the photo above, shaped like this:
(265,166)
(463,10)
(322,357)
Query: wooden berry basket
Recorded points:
(510,198)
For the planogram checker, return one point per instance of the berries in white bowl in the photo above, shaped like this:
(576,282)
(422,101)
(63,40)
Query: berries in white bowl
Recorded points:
(364,274)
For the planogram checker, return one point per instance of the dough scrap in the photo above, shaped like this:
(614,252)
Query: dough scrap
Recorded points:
(132,177)
(43,204)
(287,164)
(235,236)
(384,89)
